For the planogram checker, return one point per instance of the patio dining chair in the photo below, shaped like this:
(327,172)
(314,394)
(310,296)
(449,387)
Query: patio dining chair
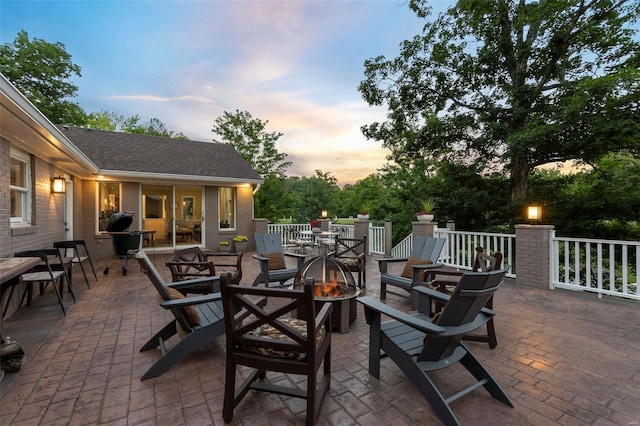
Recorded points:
(193,262)
(72,248)
(420,344)
(51,271)
(269,338)
(352,253)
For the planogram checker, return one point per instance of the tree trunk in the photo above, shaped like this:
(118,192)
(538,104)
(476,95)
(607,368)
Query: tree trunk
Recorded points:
(519,180)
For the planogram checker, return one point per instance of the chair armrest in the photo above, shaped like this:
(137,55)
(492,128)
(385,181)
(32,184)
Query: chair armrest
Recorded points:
(190,301)
(296,255)
(382,263)
(213,279)
(374,305)
(323,315)
(237,256)
(425,267)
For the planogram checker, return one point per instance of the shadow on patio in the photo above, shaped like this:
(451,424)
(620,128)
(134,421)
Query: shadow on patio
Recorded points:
(562,357)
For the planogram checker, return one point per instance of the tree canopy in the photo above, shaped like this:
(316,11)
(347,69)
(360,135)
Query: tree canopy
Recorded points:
(42,72)
(115,122)
(511,85)
(249,137)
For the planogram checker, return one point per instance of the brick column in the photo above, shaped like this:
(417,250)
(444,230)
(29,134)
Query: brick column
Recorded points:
(325,225)
(532,255)
(423,228)
(361,229)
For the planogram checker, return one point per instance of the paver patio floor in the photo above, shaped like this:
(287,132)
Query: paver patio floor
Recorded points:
(562,357)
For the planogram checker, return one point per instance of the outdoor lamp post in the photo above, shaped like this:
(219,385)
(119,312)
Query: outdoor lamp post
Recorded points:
(324,214)
(534,213)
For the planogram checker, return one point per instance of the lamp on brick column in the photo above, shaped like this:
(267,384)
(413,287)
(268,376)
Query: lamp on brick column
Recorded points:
(324,214)
(534,213)
(58,185)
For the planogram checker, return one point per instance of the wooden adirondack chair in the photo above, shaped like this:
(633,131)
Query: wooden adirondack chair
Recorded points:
(270,338)
(424,256)
(445,281)
(271,256)
(197,320)
(419,346)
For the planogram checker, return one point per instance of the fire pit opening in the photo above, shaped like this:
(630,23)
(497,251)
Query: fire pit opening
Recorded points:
(333,283)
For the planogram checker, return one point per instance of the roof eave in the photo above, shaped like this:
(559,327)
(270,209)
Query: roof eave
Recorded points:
(26,127)
(164,177)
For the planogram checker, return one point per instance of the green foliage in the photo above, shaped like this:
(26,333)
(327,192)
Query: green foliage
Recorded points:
(115,122)
(42,72)
(511,86)
(249,137)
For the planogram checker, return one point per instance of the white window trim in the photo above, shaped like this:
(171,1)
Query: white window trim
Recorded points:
(98,201)
(25,219)
(235,208)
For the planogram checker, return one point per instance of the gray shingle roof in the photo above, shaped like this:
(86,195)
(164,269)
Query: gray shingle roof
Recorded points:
(125,152)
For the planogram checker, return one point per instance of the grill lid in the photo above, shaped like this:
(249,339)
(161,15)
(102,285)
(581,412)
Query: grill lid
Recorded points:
(119,222)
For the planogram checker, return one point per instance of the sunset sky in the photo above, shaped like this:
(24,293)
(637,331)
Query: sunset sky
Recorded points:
(296,64)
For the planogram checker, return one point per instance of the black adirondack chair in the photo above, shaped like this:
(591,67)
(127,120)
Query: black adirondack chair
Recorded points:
(271,255)
(419,346)
(446,280)
(197,320)
(424,256)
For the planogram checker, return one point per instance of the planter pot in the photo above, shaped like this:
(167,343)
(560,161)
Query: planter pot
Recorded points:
(425,217)
(316,230)
(363,217)
(240,246)
(225,249)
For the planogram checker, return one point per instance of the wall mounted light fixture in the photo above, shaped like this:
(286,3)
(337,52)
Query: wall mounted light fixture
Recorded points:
(58,185)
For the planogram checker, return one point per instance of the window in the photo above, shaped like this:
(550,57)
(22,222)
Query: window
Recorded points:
(108,202)
(227,208)
(20,188)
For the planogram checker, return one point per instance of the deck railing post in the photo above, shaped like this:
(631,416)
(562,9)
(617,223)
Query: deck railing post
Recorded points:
(532,255)
(423,228)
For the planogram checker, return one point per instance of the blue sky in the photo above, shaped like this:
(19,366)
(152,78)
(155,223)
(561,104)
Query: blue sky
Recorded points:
(296,64)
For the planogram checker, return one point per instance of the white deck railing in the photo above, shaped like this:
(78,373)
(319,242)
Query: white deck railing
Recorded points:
(605,267)
(600,266)
(460,248)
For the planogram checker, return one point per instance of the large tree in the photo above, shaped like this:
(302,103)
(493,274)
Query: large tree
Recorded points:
(42,72)
(249,137)
(511,84)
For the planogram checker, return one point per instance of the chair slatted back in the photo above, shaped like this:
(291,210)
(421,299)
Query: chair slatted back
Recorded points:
(242,315)
(268,243)
(467,299)
(350,247)
(427,248)
(150,271)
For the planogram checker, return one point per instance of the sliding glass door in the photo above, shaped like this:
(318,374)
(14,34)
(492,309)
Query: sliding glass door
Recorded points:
(174,213)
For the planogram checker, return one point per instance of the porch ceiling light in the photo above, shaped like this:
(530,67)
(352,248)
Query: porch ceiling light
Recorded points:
(58,185)
(534,213)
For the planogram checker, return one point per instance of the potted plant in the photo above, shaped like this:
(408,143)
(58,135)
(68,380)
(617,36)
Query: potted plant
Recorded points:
(240,243)
(224,247)
(426,214)
(316,225)
(363,215)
